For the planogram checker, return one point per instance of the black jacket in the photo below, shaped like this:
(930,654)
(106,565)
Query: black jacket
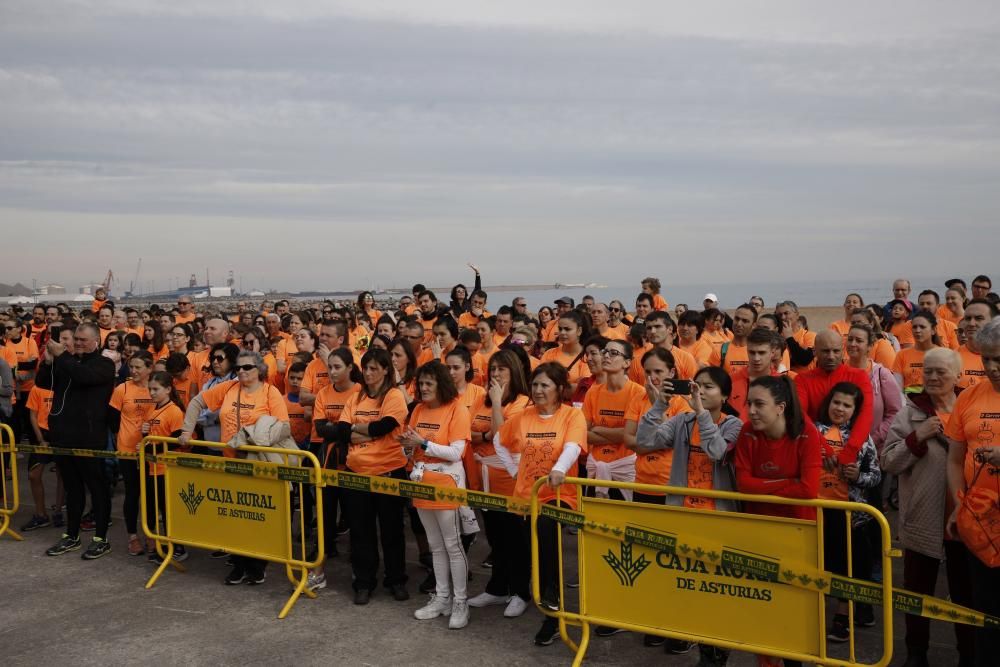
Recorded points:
(81,388)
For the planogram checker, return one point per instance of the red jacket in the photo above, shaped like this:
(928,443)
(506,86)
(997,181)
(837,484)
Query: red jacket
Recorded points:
(813,386)
(787,468)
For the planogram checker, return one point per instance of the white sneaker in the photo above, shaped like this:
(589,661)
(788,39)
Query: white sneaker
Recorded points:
(436,607)
(487,599)
(459,615)
(314,582)
(515,607)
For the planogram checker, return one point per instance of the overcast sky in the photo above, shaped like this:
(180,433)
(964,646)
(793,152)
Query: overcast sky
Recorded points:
(319,144)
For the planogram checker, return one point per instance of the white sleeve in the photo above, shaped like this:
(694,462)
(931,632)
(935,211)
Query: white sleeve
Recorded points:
(505,456)
(569,456)
(452,452)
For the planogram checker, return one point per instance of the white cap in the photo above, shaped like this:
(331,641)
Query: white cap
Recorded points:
(711,297)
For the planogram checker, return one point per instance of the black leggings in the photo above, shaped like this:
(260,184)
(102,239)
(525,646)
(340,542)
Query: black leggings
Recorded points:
(152,500)
(81,473)
(130,507)
(376,519)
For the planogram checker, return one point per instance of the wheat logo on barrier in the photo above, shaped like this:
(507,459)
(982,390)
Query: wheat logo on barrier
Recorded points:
(191,498)
(627,569)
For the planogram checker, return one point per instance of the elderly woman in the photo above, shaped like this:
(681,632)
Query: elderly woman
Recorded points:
(973,444)
(916,451)
(240,402)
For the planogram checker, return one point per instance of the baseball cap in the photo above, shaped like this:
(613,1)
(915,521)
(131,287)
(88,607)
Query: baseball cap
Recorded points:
(954,281)
(711,297)
(567,300)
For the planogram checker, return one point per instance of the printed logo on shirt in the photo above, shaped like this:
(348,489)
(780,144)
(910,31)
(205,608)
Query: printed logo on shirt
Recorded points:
(611,413)
(366,413)
(540,436)
(429,427)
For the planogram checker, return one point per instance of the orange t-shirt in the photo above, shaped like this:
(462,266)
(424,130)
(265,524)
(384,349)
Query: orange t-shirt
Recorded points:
(701,350)
(164,422)
(442,425)
(184,319)
(883,353)
(716,338)
(903,332)
(975,420)
(619,332)
(384,454)
(297,422)
(551,329)
(701,470)
(199,361)
(842,327)
(540,440)
(910,364)
(944,313)
(316,377)
(736,357)
(806,340)
(163,352)
(603,407)
(972,368)
(134,404)
(579,370)
(185,387)
(469,321)
(831,485)
(24,350)
(286,349)
(40,402)
(482,422)
(223,397)
(329,405)
(948,333)
(654,467)
(480,369)
(659,303)
(97,304)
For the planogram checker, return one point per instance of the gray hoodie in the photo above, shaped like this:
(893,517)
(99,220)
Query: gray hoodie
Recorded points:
(716,440)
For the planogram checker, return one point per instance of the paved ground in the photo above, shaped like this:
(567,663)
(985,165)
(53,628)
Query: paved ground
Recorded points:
(54,609)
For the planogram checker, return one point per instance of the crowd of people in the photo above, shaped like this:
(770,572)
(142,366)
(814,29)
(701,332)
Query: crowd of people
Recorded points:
(450,393)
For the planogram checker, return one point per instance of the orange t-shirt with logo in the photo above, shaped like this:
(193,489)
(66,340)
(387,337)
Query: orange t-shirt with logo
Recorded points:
(380,455)
(701,470)
(540,440)
(164,422)
(330,404)
(910,364)
(716,338)
(223,397)
(831,485)
(972,368)
(442,425)
(685,365)
(40,401)
(579,370)
(299,426)
(134,404)
(603,407)
(25,350)
(736,357)
(654,467)
(975,420)
(482,422)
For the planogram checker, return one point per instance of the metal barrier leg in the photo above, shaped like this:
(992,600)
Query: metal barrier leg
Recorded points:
(5,528)
(10,505)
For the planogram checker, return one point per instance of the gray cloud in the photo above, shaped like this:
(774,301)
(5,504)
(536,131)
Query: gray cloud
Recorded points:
(546,149)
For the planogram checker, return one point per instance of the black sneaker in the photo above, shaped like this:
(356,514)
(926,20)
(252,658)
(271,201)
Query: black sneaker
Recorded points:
(653,640)
(35,523)
(548,633)
(864,616)
(180,554)
(607,631)
(839,631)
(428,585)
(255,578)
(362,596)
(237,576)
(65,544)
(677,646)
(97,548)
(399,593)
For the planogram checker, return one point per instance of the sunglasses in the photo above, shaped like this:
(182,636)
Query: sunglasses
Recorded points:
(183,303)
(219,358)
(246,367)
(615,310)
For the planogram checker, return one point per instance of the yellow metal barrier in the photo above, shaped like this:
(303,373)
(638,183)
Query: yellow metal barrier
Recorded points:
(737,581)
(211,502)
(10,499)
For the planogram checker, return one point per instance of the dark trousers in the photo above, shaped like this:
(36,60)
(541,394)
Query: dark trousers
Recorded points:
(331,499)
(835,545)
(374,518)
(130,508)
(505,535)
(648,498)
(156,498)
(548,558)
(249,565)
(20,422)
(81,473)
(920,576)
(986,595)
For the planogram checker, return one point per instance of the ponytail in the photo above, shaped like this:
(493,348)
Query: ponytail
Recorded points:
(165,379)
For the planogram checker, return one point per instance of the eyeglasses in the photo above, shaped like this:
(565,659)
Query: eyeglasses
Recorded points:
(520,305)
(246,367)
(177,334)
(220,358)
(183,303)
(608,352)
(980,286)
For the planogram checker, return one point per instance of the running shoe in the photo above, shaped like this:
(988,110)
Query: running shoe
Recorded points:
(66,543)
(36,523)
(97,548)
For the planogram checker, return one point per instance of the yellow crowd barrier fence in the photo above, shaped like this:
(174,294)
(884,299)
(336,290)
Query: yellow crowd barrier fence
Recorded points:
(10,498)
(627,530)
(238,505)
